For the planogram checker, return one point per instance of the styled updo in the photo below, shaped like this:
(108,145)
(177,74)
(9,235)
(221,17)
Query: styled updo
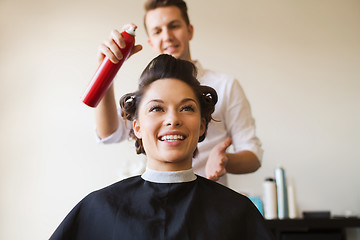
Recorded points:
(167,66)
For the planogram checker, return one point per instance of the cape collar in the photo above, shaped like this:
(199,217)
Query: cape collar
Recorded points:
(168,176)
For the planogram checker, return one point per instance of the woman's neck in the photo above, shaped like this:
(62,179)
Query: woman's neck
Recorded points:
(169,166)
(174,165)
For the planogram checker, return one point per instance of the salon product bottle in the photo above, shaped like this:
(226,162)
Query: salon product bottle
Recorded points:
(292,201)
(270,199)
(106,72)
(281,190)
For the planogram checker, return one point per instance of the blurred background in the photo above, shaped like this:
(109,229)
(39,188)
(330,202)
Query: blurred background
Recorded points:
(298,62)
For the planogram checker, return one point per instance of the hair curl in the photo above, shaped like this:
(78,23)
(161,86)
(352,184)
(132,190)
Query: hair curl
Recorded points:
(166,66)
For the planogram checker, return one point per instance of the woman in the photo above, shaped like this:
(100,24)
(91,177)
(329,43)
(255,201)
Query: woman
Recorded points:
(169,113)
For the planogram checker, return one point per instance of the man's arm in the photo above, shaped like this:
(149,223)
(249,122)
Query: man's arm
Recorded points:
(106,117)
(242,162)
(241,126)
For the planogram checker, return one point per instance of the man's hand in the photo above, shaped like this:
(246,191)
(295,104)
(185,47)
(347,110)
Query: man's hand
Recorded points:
(216,163)
(112,46)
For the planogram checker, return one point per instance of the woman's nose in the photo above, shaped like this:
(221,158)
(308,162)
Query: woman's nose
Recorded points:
(173,119)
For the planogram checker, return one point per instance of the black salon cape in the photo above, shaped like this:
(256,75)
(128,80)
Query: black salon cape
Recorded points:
(139,209)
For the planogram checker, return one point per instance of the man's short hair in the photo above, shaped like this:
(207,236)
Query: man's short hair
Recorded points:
(153,4)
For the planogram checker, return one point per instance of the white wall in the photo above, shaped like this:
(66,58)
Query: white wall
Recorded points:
(298,61)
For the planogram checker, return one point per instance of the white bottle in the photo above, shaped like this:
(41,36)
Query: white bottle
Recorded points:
(269,198)
(292,201)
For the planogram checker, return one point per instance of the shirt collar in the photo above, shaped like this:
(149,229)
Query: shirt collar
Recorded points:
(200,69)
(168,176)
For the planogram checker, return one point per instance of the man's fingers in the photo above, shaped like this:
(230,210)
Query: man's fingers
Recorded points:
(136,48)
(228,142)
(115,35)
(103,49)
(213,178)
(225,144)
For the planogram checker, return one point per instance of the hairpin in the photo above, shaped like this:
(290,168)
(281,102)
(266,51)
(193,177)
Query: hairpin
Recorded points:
(207,95)
(130,99)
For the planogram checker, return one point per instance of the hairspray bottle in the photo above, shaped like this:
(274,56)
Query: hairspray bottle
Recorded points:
(106,72)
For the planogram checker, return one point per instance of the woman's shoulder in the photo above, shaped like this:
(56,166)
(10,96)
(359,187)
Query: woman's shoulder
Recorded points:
(115,190)
(222,199)
(220,191)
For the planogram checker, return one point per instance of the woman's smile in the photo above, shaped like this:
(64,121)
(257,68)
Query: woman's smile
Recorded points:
(172,137)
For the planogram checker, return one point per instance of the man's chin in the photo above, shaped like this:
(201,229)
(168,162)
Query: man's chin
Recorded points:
(174,54)
(177,55)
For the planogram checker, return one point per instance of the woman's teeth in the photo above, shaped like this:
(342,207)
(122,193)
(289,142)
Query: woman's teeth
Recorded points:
(172,138)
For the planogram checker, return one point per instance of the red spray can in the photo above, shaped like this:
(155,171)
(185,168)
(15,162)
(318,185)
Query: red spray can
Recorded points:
(106,72)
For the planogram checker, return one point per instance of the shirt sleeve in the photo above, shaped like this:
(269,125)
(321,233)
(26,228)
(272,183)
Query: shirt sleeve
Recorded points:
(121,134)
(240,122)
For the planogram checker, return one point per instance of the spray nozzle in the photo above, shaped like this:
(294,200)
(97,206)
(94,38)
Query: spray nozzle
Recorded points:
(131,30)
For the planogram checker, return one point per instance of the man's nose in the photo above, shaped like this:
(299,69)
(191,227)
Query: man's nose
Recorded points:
(167,34)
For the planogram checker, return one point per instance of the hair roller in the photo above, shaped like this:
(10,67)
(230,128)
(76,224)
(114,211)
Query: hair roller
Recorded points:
(209,95)
(128,106)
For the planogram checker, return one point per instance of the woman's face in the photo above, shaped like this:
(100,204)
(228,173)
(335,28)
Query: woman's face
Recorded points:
(169,124)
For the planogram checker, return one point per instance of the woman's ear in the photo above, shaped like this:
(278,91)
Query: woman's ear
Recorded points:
(137,129)
(202,126)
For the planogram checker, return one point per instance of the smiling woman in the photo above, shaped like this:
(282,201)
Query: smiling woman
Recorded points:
(170,113)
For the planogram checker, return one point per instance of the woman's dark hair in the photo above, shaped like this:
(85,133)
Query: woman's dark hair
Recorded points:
(153,4)
(167,66)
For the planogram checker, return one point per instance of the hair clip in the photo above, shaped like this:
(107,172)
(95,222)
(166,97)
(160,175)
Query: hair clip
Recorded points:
(207,95)
(130,99)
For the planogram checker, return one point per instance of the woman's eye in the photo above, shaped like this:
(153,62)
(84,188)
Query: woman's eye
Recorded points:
(156,109)
(188,108)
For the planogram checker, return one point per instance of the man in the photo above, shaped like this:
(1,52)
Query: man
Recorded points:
(169,31)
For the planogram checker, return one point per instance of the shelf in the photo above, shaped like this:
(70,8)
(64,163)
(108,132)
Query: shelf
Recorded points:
(312,228)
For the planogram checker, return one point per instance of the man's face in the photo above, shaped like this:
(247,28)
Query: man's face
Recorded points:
(168,32)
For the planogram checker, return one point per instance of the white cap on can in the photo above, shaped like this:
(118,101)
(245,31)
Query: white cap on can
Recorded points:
(131,30)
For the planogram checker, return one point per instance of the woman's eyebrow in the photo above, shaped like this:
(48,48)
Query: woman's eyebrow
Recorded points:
(188,99)
(154,101)
(161,101)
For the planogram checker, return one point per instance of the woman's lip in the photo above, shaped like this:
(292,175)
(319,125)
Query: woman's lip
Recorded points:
(176,135)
